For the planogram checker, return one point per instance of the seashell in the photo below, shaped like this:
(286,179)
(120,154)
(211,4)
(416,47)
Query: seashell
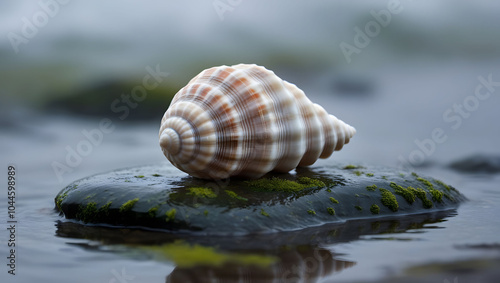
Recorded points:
(245,121)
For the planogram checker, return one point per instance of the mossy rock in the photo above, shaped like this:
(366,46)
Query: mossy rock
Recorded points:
(113,98)
(161,197)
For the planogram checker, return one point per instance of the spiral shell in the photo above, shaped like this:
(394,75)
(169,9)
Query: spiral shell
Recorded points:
(245,121)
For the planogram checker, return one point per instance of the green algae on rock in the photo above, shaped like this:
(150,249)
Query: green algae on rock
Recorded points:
(375,209)
(389,200)
(202,192)
(330,210)
(332,199)
(313,196)
(235,195)
(128,205)
(281,185)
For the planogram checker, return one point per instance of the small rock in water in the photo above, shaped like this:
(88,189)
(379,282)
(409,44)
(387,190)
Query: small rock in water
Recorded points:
(353,85)
(162,197)
(479,163)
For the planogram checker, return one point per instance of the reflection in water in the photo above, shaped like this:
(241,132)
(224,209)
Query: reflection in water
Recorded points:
(300,256)
(300,264)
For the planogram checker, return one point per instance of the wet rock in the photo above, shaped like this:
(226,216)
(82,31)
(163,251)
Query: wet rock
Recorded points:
(114,99)
(353,85)
(481,269)
(479,163)
(483,246)
(162,197)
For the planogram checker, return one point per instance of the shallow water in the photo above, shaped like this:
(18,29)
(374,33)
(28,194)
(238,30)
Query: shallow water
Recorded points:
(395,92)
(52,249)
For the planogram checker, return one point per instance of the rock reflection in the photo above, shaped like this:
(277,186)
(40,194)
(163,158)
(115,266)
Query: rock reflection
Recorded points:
(300,264)
(300,256)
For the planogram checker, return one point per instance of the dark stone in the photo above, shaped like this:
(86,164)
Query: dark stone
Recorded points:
(106,99)
(478,163)
(353,85)
(162,197)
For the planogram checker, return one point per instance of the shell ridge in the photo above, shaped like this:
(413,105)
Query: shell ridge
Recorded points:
(272,85)
(267,159)
(314,139)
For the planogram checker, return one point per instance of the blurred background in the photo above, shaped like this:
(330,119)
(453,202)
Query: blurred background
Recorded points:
(411,62)
(404,73)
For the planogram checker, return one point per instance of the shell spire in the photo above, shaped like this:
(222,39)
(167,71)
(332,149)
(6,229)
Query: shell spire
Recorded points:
(245,121)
